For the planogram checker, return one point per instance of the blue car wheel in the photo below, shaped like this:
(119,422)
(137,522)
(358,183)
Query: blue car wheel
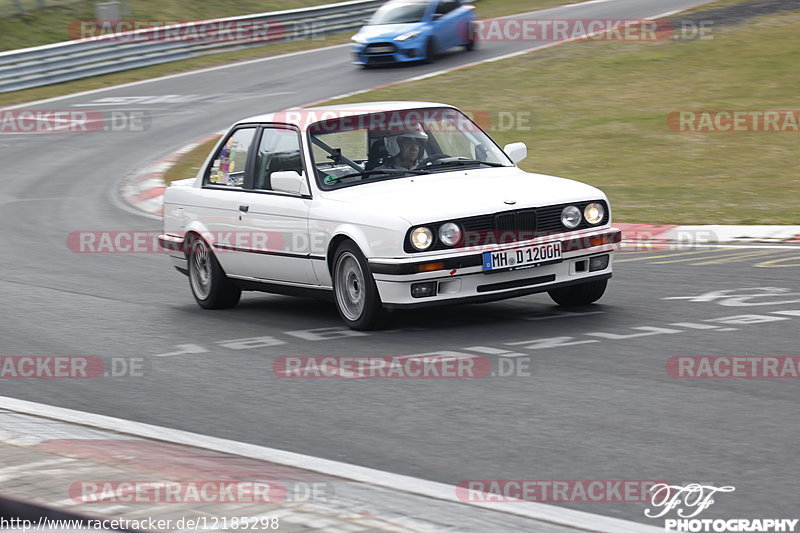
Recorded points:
(470,46)
(430,50)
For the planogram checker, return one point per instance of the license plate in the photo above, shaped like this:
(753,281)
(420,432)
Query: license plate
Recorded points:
(529,257)
(381,50)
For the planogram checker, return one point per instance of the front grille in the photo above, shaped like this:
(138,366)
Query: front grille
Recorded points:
(510,226)
(380,48)
(505,222)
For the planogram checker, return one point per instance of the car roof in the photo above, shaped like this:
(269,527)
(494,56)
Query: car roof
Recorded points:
(304,116)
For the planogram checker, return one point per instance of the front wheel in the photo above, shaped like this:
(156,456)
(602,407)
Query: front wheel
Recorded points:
(357,298)
(578,295)
(430,50)
(211,288)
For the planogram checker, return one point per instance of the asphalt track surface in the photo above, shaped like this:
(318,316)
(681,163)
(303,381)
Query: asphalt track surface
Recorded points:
(603,408)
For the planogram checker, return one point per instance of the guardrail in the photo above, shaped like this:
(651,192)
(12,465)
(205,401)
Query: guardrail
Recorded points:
(83,58)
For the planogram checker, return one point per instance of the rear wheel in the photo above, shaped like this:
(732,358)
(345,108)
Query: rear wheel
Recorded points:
(211,288)
(578,295)
(470,45)
(357,298)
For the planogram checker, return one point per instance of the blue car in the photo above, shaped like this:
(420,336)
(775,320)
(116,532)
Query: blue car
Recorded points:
(414,30)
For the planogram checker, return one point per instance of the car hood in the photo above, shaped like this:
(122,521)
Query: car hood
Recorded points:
(388,31)
(465,193)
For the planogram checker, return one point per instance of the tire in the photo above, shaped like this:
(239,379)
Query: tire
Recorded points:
(354,288)
(470,45)
(210,286)
(578,295)
(430,50)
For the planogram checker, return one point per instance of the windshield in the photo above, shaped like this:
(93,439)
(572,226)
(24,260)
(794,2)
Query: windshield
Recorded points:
(361,148)
(399,13)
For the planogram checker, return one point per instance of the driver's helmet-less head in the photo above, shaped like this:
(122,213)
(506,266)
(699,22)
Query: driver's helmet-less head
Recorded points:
(393,141)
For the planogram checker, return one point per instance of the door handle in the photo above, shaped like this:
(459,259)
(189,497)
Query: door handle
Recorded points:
(244,208)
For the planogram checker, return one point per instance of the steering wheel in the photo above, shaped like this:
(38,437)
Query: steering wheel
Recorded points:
(432,159)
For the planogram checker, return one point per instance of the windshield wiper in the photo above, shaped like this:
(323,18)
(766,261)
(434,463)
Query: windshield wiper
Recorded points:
(446,162)
(382,171)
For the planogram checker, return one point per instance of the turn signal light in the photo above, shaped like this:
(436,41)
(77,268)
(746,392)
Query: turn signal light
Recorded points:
(430,267)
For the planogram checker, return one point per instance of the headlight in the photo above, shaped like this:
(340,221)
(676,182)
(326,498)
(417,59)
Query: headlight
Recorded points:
(571,217)
(407,36)
(450,234)
(421,238)
(594,213)
(358,39)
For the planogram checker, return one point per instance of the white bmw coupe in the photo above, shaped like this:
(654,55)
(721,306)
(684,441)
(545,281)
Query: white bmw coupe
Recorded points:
(383,205)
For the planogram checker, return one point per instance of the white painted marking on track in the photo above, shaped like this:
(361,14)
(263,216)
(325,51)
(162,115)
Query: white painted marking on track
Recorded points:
(26,466)
(488,350)
(561,314)
(431,489)
(701,247)
(185,349)
(692,325)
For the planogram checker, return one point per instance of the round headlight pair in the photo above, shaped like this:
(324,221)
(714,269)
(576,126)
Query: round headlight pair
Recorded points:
(422,237)
(571,216)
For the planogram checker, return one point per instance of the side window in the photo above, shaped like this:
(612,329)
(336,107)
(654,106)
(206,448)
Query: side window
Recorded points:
(446,6)
(279,151)
(229,165)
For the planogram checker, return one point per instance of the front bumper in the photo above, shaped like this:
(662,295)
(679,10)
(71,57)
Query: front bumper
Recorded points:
(174,246)
(462,278)
(411,50)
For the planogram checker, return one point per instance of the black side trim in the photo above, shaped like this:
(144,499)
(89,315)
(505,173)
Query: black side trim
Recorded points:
(516,283)
(413,268)
(184,271)
(288,290)
(269,252)
(497,296)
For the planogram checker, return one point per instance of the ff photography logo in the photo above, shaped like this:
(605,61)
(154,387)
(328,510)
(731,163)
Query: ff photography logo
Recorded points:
(693,499)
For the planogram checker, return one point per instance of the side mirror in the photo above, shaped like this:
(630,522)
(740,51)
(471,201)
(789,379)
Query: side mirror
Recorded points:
(516,152)
(289,181)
